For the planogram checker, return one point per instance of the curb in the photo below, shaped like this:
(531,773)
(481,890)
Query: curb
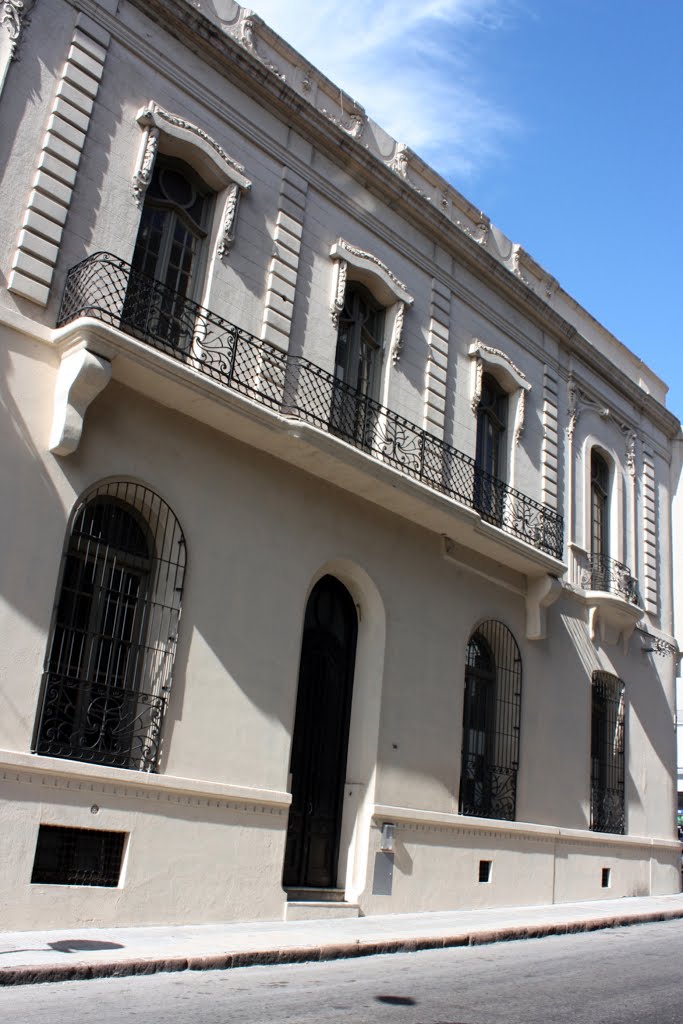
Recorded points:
(311,954)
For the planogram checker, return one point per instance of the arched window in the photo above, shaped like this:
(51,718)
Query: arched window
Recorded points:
(110,653)
(492,414)
(491,720)
(608,812)
(168,253)
(357,364)
(599,505)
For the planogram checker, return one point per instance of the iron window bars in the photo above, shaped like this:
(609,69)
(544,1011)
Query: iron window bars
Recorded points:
(77,856)
(608,812)
(108,289)
(491,721)
(110,654)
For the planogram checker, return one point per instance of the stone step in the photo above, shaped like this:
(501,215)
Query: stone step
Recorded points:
(299,893)
(312,910)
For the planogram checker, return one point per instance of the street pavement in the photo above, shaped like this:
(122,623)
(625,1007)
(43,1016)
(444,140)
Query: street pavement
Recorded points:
(72,954)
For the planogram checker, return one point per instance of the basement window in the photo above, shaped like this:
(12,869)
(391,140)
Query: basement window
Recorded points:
(78,856)
(606,878)
(484,870)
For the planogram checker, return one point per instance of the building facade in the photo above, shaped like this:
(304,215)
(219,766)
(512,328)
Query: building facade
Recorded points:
(265,368)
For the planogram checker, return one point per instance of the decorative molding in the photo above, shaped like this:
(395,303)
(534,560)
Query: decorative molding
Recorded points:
(631,438)
(515,379)
(389,290)
(11,14)
(154,116)
(367,261)
(81,377)
(399,164)
(397,340)
(227,232)
(145,167)
(339,291)
(248,41)
(578,401)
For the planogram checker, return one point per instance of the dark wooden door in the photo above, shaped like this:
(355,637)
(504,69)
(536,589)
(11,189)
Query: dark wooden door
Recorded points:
(321,732)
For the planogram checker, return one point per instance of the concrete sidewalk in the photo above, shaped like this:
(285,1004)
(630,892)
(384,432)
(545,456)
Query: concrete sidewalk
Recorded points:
(70,954)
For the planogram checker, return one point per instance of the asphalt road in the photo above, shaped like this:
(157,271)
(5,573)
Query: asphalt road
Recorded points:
(625,976)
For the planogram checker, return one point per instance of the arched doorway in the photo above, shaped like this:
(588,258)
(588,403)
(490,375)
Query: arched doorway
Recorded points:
(321,732)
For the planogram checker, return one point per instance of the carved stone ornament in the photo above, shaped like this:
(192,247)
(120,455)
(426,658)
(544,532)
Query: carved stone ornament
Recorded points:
(339,291)
(11,14)
(227,233)
(630,450)
(399,165)
(397,340)
(578,401)
(248,40)
(148,155)
(479,233)
(355,124)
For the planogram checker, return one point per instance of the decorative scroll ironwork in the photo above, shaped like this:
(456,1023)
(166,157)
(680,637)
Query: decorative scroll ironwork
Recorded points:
(610,576)
(108,289)
(86,721)
(608,813)
(491,720)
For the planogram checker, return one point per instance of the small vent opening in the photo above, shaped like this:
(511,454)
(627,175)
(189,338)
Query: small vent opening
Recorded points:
(606,878)
(484,870)
(78,856)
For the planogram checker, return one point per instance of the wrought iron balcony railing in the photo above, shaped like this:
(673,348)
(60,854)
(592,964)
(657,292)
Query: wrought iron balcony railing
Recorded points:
(108,289)
(611,577)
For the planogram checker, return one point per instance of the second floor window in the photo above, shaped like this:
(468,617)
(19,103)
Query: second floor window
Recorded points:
(599,505)
(167,259)
(492,413)
(357,365)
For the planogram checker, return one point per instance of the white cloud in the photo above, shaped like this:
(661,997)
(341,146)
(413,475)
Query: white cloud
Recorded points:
(412,66)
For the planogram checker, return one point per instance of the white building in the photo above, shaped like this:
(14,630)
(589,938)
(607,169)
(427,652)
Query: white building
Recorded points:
(416,507)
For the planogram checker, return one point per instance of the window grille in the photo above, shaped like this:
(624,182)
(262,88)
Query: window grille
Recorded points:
(607,754)
(491,721)
(110,654)
(77,856)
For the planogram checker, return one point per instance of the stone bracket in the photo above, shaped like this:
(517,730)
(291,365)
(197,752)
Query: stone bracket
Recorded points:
(81,377)
(540,594)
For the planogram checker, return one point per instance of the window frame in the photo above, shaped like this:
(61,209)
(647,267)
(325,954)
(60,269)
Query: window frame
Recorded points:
(115,718)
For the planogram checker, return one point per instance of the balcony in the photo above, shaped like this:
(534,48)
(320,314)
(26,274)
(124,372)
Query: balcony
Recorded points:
(611,577)
(611,593)
(106,290)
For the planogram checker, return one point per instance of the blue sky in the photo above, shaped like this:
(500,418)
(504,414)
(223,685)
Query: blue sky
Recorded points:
(561,119)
